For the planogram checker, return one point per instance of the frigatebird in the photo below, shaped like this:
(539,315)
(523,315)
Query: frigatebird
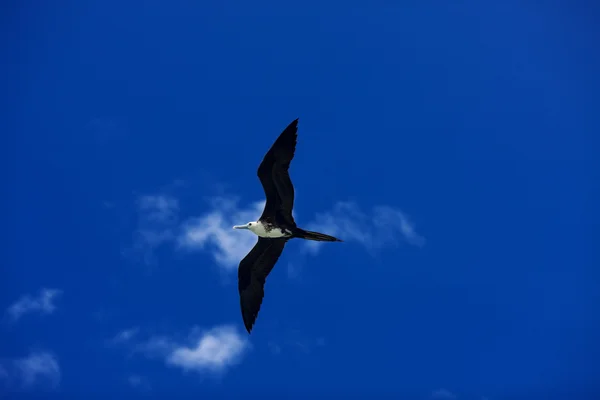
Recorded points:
(274,227)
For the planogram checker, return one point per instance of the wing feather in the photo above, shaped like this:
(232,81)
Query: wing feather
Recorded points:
(274,176)
(252,274)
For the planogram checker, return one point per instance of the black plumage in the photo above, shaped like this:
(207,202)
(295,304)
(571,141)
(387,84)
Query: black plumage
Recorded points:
(253,270)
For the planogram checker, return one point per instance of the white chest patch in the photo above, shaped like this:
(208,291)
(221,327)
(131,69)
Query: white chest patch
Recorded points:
(260,230)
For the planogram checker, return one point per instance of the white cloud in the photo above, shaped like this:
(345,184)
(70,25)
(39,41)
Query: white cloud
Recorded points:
(383,226)
(212,350)
(43,304)
(214,231)
(38,368)
(443,394)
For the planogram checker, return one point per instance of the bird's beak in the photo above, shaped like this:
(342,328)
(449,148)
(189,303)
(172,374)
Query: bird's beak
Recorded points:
(240,227)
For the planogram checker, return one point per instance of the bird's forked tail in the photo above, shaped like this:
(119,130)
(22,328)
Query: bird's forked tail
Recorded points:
(316,236)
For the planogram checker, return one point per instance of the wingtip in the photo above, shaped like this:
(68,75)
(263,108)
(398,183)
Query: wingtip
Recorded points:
(248,325)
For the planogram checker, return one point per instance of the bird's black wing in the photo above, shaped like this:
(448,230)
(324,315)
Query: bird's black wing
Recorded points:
(274,176)
(252,274)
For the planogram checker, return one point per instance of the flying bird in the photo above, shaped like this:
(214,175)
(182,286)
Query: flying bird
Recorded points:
(274,227)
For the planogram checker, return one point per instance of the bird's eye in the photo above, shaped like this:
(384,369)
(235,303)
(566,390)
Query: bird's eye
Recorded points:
(250,224)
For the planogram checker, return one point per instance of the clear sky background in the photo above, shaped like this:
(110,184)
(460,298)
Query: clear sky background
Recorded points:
(449,144)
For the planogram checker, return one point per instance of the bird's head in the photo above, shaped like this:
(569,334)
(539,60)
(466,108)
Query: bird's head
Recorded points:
(249,225)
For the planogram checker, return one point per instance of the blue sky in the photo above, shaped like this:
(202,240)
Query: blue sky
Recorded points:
(449,145)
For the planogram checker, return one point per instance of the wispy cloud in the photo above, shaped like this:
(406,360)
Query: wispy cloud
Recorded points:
(38,368)
(43,304)
(212,231)
(138,382)
(160,209)
(213,350)
(381,227)
(157,223)
(443,394)
(124,336)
